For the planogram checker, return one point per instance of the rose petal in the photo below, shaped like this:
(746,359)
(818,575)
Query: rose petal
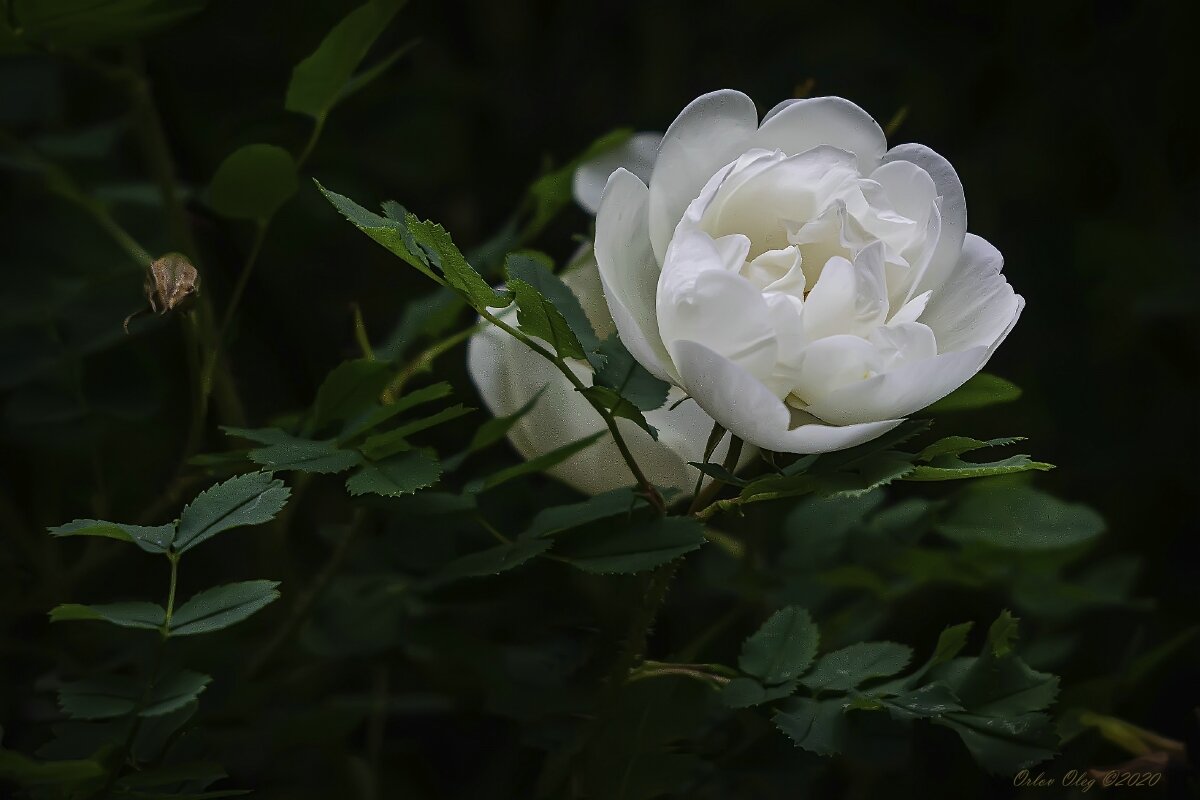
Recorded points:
(805,124)
(975,306)
(708,134)
(743,405)
(901,391)
(629,272)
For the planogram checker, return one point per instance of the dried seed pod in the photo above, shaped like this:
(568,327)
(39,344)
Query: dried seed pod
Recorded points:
(172,282)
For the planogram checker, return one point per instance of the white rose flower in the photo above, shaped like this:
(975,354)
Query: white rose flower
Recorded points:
(808,287)
(508,375)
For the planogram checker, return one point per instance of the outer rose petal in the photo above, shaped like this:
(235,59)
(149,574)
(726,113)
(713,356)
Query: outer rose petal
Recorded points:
(746,407)
(629,271)
(901,391)
(805,124)
(975,306)
(636,154)
(709,133)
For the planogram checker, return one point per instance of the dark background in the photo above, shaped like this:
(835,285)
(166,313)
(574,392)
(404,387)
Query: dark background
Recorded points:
(1071,124)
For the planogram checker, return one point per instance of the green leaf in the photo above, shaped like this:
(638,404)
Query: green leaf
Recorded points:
(368,75)
(174,692)
(637,547)
(783,648)
(554,520)
(253,182)
(747,692)
(392,234)
(931,700)
(495,560)
(382,413)
(949,468)
(843,670)
(440,250)
(152,539)
(950,642)
(250,499)
(818,726)
(1018,517)
(1003,746)
(109,696)
(979,392)
(543,288)
(383,445)
(99,697)
(538,464)
(957,445)
(1002,633)
(78,24)
(618,406)
(320,80)
(490,432)
(305,455)
(349,391)
(399,475)
(222,606)
(133,614)
(619,370)
(25,771)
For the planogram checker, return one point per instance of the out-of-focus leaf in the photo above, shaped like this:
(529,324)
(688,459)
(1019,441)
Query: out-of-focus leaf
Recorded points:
(843,670)
(979,392)
(84,23)
(379,414)
(250,499)
(632,548)
(175,691)
(401,474)
(554,520)
(222,606)
(1018,517)
(320,80)
(489,432)
(783,648)
(134,614)
(494,560)
(383,445)
(351,389)
(253,182)
(552,192)
(25,771)
(538,464)
(152,539)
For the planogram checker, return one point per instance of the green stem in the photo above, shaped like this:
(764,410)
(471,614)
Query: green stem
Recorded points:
(424,360)
(166,627)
